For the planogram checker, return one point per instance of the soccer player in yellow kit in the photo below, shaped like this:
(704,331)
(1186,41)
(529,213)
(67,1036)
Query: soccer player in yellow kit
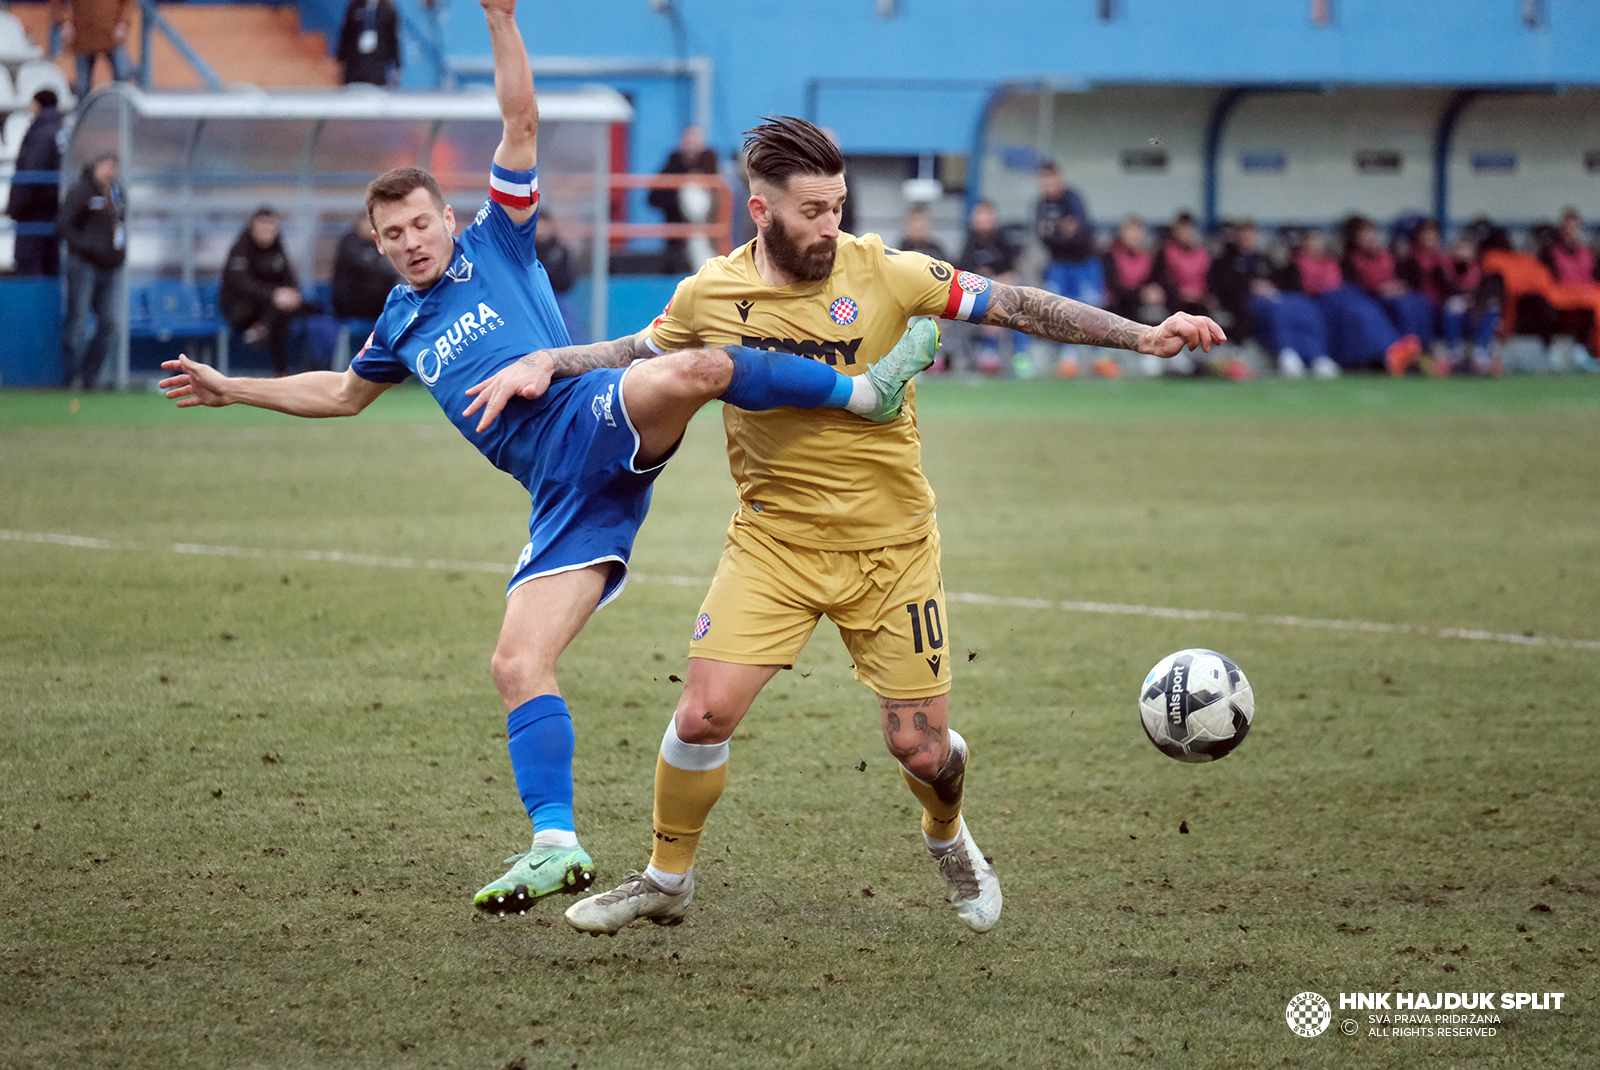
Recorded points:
(835,517)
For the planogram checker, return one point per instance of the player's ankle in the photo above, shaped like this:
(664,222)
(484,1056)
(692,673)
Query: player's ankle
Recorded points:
(672,883)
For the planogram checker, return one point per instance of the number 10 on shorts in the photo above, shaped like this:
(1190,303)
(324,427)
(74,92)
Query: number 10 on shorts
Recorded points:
(925,621)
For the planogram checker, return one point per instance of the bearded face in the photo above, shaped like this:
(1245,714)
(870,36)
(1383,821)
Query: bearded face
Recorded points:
(811,263)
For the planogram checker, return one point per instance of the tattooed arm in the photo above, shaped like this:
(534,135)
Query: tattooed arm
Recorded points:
(530,377)
(1061,319)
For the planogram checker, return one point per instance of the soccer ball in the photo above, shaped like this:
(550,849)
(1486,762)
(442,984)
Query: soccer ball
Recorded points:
(1196,705)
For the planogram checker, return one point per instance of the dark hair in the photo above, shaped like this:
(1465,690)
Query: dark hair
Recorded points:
(1495,238)
(266,211)
(46,98)
(785,146)
(397,183)
(1048,167)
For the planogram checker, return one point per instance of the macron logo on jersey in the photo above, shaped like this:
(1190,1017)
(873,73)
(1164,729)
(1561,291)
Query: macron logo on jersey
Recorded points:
(450,345)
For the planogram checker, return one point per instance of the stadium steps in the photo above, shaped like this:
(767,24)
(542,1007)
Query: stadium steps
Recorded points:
(255,44)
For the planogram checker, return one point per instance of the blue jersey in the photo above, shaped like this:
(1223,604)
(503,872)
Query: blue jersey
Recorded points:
(574,448)
(492,306)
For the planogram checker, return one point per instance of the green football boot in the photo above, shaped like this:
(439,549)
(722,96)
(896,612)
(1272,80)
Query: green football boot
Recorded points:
(889,376)
(541,871)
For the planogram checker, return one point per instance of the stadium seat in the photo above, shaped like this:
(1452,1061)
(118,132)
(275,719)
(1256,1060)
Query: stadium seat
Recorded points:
(37,74)
(14,43)
(11,135)
(167,309)
(8,93)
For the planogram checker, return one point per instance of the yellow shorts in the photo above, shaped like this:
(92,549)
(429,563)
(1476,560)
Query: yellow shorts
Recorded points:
(888,603)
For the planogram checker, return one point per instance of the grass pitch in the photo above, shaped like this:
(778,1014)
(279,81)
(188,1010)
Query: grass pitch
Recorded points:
(244,800)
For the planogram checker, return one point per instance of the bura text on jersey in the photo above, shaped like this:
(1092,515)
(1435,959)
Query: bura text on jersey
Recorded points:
(469,328)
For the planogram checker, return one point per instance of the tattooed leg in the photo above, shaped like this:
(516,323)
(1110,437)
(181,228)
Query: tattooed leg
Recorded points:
(915,731)
(933,760)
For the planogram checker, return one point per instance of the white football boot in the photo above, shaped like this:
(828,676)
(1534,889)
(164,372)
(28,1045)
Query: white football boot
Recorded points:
(637,897)
(971,885)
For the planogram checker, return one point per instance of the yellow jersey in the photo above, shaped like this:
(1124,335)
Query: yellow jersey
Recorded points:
(824,478)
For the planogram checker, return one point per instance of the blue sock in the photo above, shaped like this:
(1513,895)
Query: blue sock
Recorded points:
(767,380)
(541,742)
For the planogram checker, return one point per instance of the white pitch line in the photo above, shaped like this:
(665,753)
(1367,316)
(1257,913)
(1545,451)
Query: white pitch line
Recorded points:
(1116,608)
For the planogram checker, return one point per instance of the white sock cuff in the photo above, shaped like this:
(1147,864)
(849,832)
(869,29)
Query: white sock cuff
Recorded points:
(940,846)
(671,882)
(691,757)
(863,396)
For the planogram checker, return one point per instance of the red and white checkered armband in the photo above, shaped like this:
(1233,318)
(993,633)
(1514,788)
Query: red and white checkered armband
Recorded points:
(969,297)
(514,189)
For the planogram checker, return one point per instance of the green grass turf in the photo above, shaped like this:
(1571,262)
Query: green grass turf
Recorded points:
(244,802)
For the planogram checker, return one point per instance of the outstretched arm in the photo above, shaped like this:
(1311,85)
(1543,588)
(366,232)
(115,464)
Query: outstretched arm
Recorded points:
(530,377)
(513,87)
(1061,319)
(313,394)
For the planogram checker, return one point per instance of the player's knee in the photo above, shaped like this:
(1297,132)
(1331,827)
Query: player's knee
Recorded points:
(701,718)
(921,762)
(519,675)
(703,373)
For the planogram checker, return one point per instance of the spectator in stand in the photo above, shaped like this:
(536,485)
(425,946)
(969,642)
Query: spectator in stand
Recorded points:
(260,295)
(917,236)
(1570,259)
(1062,223)
(691,157)
(1370,267)
(1312,269)
(369,43)
(33,205)
(556,259)
(986,252)
(362,277)
(1131,288)
(1359,332)
(1286,324)
(1572,263)
(90,222)
(1418,269)
(1234,274)
(1182,267)
(1471,305)
(94,28)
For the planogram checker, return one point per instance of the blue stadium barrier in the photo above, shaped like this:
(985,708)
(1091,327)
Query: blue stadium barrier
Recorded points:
(30,307)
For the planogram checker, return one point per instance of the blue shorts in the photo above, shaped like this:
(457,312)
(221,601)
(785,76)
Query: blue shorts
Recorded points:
(576,451)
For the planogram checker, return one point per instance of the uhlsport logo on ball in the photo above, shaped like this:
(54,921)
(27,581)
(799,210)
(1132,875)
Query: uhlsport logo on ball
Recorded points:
(1308,1014)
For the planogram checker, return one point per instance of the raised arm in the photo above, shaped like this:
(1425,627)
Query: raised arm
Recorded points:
(1061,319)
(530,377)
(313,394)
(513,87)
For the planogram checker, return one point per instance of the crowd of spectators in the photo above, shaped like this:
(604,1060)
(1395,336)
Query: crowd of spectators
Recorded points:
(1319,304)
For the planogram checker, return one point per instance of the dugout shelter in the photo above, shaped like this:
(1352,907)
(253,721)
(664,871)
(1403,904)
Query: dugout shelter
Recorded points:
(195,165)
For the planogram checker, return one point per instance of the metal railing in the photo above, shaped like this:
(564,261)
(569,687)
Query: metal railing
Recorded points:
(150,20)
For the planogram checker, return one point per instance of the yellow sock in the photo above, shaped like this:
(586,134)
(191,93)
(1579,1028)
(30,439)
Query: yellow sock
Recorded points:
(684,798)
(941,798)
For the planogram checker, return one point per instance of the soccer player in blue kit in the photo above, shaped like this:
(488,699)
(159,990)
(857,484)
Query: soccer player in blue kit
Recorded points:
(587,450)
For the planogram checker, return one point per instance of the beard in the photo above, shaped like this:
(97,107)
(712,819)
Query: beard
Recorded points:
(811,264)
